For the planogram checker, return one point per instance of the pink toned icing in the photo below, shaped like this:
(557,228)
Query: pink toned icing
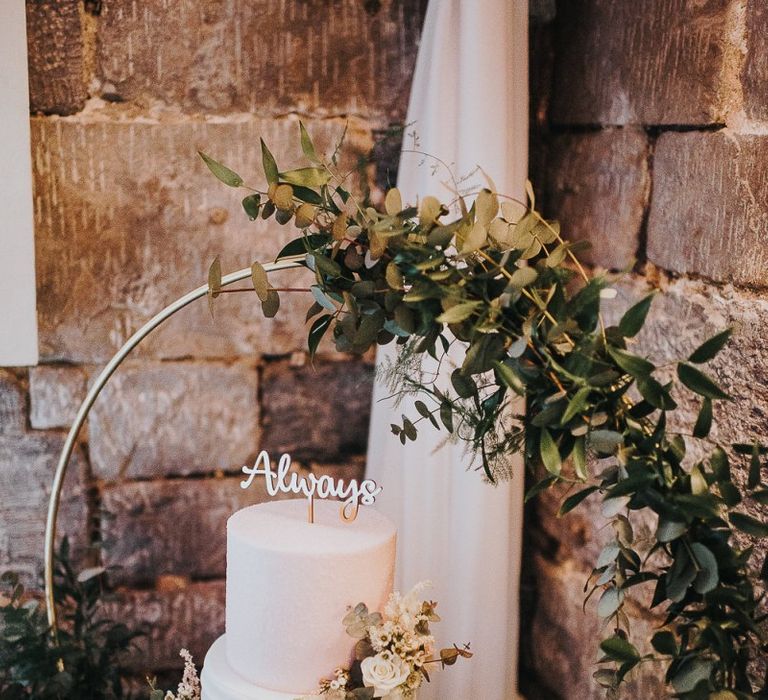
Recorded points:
(289,584)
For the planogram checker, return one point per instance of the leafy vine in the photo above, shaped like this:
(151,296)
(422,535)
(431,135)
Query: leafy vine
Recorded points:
(500,280)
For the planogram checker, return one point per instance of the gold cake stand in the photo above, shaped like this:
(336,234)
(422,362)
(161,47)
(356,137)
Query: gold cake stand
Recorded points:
(93,393)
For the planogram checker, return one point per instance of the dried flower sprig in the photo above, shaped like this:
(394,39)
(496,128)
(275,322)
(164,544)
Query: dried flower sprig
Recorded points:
(393,650)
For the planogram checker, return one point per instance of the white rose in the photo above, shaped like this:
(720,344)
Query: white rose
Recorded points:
(384,672)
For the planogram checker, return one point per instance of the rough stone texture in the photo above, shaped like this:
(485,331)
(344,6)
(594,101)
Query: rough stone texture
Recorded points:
(598,184)
(178,527)
(262,56)
(55,394)
(565,638)
(320,413)
(655,62)
(709,208)
(755,72)
(13,404)
(57,83)
(155,419)
(190,617)
(128,218)
(26,471)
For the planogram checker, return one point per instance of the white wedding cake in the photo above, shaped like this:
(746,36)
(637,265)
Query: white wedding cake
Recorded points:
(289,584)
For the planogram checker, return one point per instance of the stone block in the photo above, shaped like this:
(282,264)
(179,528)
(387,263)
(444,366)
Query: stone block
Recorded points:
(13,404)
(754,74)
(564,638)
(598,186)
(55,394)
(656,62)
(26,470)
(319,413)
(191,618)
(128,218)
(175,527)
(57,81)
(160,418)
(267,57)
(709,207)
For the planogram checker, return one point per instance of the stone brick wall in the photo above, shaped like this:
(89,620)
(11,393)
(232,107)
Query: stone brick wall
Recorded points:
(127,219)
(651,142)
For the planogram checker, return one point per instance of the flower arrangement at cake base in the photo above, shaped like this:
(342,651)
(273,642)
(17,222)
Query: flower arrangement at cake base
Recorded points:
(393,651)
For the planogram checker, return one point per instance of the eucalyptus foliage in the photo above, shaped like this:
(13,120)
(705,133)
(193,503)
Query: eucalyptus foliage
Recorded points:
(81,662)
(500,280)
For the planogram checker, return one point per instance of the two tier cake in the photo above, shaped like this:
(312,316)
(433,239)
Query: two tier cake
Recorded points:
(289,584)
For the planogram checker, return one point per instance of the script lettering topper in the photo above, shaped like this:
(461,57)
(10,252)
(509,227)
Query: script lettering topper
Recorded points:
(352,493)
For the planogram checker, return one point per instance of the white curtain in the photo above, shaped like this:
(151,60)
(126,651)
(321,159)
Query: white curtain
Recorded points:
(468,107)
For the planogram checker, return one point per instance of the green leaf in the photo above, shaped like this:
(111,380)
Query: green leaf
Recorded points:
(690,673)
(761,496)
(464,385)
(458,313)
(299,246)
(543,485)
(409,429)
(610,602)
(655,394)
(446,415)
(576,405)
(753,479)
(260,281)
(708,575)
(664,642)
(709,348)
(251,205)
(268,162)
(222,172)
(704,420)
(322,299)
(579,457)
(306,177)
(631,364)
(550,454)
(306,144)
(746,523)
(317,331)
(509,378)
(632,321)
(619,649)
(572,501)
(271,305)
(669,530)
(326,266)
(699,382)
(605,441)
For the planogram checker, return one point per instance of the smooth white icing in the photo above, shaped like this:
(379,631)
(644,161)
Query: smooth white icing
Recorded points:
(221,682)
(289,584)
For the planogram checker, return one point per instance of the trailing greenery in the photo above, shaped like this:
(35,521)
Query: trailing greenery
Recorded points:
(84,661)
(499,280)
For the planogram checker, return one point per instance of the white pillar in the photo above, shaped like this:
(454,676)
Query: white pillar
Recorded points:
(18,315)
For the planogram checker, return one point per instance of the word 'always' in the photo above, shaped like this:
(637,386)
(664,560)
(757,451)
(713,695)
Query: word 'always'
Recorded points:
(283,480)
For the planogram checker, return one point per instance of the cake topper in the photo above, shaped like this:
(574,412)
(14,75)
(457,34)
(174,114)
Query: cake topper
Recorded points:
(352,494)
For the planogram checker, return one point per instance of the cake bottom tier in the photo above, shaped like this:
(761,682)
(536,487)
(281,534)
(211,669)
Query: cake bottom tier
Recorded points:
(221,682)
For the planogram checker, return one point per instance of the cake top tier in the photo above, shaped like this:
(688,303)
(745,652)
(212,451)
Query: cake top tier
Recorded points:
(282,526)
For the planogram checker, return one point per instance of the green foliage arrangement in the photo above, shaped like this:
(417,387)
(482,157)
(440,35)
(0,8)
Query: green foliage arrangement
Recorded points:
(499,279)
(82,662)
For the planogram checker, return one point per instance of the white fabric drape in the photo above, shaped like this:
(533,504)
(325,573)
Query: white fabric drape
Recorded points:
(469,107)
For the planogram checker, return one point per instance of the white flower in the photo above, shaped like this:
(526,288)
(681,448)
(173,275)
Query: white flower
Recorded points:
(384,672)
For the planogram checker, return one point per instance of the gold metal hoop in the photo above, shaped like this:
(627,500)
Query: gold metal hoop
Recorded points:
(93,393)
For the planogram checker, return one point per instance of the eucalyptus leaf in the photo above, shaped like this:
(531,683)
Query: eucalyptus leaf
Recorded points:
(307,146)
(268,162)
(306,177)
(550,455)
(746,523)
(699,382)
(610,601)
(222,172)
(709,349)
(633,320)
(271,305)
(260,280)
(251,205)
